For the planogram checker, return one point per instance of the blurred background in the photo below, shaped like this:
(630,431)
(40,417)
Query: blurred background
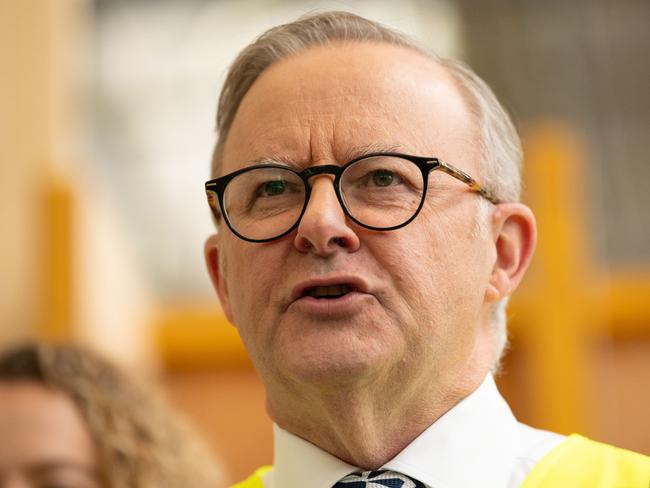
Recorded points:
(106,129)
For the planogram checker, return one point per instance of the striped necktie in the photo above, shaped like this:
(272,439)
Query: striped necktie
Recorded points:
(378,479)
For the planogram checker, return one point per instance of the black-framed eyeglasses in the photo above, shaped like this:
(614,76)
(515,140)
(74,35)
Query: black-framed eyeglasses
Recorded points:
(380,191)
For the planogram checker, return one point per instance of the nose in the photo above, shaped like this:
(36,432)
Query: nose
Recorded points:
(324,229)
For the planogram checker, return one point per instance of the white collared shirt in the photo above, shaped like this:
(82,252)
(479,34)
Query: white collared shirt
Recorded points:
(478,443)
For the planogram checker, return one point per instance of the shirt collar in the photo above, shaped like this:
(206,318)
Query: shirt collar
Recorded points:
(299,463)
(473,444)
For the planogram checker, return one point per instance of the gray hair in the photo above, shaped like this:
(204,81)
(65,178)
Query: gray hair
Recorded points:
(500,146)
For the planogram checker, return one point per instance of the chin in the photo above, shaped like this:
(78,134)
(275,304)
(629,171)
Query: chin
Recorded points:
(337,352)
(334,367)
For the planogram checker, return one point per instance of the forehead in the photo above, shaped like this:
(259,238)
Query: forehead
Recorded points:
(321,103)
(40,424)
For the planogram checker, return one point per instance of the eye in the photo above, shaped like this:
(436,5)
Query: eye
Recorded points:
(271,188)
(383,177)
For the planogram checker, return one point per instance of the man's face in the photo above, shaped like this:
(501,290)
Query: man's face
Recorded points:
(417,306)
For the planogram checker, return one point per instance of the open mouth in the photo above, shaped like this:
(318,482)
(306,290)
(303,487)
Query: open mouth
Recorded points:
(323,294)
(328,292)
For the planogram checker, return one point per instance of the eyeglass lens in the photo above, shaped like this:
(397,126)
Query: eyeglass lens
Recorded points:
(378,191)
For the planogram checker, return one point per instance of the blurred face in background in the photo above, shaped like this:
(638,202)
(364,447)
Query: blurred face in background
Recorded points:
(44,442)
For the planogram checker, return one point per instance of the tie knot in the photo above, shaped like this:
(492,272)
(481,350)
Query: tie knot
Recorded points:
(382,478)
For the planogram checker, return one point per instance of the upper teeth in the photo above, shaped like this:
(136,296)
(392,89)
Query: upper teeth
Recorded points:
(333,290)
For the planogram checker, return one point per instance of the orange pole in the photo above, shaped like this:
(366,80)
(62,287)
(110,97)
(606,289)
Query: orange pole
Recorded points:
(57,315)
(557,342)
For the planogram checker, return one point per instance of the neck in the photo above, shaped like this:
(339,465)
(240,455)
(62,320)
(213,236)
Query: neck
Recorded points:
(367,427)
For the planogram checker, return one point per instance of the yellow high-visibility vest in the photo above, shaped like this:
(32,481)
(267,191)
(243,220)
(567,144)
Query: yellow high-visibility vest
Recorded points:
(255,480)
(577,462)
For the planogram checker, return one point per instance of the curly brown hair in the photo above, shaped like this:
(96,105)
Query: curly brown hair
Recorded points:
(140,441)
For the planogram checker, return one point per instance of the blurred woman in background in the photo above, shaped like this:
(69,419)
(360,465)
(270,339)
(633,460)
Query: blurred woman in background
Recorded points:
(70,419)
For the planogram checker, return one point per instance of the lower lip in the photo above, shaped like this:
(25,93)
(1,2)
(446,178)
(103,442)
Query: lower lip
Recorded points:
(347,304)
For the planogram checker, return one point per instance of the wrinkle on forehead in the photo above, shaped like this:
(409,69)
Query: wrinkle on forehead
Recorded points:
(350,154)
(320,105)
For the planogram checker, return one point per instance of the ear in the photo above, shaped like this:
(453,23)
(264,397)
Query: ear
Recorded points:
(217,275)
(515,235)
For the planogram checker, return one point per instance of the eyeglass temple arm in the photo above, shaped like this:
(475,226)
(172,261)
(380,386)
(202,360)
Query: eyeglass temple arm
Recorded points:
(213,201)
(468,180)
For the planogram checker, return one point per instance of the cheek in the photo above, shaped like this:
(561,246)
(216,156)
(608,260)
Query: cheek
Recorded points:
(245,292)
(254,272)
(447,261)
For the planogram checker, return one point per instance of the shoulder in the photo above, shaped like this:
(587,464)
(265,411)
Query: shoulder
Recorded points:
(256,480)
(581,462)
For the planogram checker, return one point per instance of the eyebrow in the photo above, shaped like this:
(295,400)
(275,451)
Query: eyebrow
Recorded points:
(374,147)
(352,153)
(277,159)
